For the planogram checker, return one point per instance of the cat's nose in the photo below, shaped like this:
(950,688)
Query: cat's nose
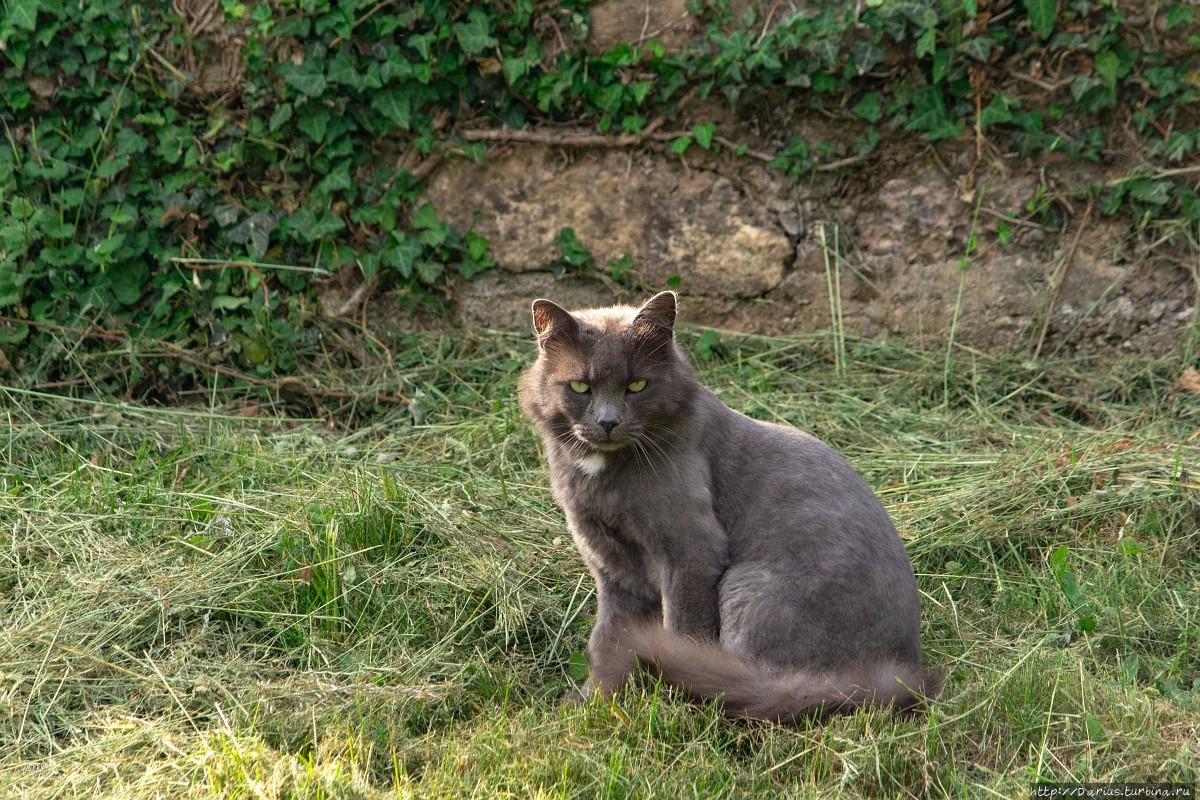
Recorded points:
(607,418)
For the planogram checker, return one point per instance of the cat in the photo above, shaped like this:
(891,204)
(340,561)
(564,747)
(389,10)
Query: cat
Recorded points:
(737,560)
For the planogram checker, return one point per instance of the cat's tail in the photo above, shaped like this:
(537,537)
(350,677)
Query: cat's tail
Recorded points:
(749,691)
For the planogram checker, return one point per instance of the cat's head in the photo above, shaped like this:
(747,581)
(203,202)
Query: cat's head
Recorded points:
(607,378)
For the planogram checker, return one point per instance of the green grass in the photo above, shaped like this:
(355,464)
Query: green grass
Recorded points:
(220,601)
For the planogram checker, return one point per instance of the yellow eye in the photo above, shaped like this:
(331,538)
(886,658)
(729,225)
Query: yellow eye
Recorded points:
(637,386)
(579,387)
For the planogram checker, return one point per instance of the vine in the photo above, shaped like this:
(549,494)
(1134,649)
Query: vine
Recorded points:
(191,171)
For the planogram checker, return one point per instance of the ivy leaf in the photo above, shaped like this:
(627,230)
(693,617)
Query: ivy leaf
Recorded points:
(999,110)
(515,69)
(326,225)
(128,280)
(308,78)
(680,145)
(704,134)
(429,271)
(474,35)
(315,122)
(369,264)
(1150,191)
(254,232)
(826,50)
(1041,15)
(434,230)
(1107,64)
(280,117)
(341,70)
(1179,14)
(394,104)
(401,255)
(927,43)
(978,47)
(23,13)
(866,55)
(870,107)
(477,246)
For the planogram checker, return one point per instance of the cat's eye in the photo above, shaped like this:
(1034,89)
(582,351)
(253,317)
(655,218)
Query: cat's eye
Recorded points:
(579,387)
(636,386)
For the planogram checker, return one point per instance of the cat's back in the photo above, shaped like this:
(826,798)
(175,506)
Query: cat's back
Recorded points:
(771,477)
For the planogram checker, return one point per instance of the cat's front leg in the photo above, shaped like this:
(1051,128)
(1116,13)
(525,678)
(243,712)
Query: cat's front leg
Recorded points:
(616,608)
(697,559)
(691,605)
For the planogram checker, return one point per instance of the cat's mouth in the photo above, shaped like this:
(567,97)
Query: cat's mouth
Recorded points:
(605,443)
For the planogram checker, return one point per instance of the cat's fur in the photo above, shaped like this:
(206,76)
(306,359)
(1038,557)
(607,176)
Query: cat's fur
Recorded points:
(737,559)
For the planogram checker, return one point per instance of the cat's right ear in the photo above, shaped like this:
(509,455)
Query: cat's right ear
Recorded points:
(552,323)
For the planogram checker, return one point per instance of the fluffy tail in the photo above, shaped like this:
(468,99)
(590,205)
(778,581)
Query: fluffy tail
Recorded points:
(749,691)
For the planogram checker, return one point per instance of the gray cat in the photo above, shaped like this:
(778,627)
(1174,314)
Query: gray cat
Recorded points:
(736,559)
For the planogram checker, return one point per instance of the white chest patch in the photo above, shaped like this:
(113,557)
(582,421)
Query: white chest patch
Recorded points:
(592,465)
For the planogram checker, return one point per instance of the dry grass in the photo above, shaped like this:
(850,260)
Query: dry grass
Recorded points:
(199,604)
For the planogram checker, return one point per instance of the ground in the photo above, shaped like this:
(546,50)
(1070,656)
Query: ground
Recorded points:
(224,601)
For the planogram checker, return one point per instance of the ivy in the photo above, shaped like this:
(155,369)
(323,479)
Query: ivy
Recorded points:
(191,181)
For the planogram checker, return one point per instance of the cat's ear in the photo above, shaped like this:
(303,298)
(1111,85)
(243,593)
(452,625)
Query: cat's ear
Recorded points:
(552,323)
(658,313)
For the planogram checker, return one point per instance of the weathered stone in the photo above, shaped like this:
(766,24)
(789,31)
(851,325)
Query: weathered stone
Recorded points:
(501,300)
(638,21)
(744,243)
(694,226)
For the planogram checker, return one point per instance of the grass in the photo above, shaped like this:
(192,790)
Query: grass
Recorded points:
(220,601)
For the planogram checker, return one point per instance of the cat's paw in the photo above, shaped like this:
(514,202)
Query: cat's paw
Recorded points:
(578,696)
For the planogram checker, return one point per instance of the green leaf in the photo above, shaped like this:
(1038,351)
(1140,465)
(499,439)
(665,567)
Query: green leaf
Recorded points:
(477,246)
(1150,191)
(226,302)
(433,230)
(112,167)
(394,104)
(1041,15)
(282,114)
(307,78)
(128,280)
(109,246)
(514,69)
(866,55)
(978,47)
(368,263)
(326,225)
(314,122)
(1107,64)
(426,217)
(870,107)
(1179,14)
(342,71)
(999,110)
(428,271)
(338,179)
(23,13)
(680,145)
(704,134)
(927,43)
(474,35)
(1130,547)
(403,253)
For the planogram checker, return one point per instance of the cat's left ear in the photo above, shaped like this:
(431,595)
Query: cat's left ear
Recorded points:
(552,322)
(658,313)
